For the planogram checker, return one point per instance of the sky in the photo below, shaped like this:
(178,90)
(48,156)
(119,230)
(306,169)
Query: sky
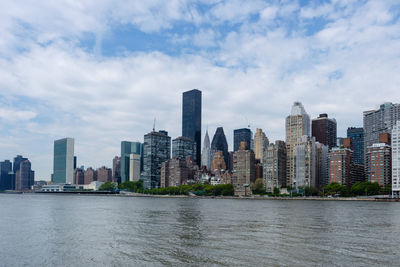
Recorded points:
(100,71)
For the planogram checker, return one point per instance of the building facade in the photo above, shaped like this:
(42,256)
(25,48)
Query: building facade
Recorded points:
(104,174)
(219,143)
(79,176)
(24,177)
(6,176)
(324,130)
(63,161)
(357,140)
(396,160)
(297,125)
(379,164)
(305,162)
(191,119)
(260,144)
(274,164)
(206,152)
(184,147)
(340,164)
(128,148)
(135,161)
(89,175)
(243,170)
(156,150)
(117,169)
(379,121)
(241,135)
(174,172)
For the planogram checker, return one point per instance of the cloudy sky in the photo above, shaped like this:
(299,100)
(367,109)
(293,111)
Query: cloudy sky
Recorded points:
(100,71)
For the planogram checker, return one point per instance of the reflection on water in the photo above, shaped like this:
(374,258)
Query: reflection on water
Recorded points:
(54,230)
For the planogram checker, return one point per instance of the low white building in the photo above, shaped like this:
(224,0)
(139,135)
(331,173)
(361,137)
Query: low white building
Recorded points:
(95,185)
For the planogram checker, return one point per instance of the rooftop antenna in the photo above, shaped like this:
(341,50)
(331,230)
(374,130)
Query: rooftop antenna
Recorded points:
(247,121)
(154,124)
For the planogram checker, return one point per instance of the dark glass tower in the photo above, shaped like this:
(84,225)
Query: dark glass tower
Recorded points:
(241,135)
(191,119)
(6,182)
(357,140)
(219,144)
(128,148)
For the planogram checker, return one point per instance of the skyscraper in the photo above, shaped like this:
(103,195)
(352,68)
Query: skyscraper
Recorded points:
(156,150)
(324,130)
(396,160)
(191,119)
(24,177)
(274,165)
(128,148)
(206,152)
(297,125)
(6,181)
(305,162)
(240,135)
(357,140)
(117,169)
(379,121)
(260,144)
(63,163)
(219,144)
(378,159)
(184,147)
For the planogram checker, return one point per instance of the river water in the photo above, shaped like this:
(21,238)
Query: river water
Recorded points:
(82,230)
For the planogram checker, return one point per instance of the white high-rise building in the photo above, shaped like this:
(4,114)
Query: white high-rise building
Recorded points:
(260,144)
(134,167)
(297,125)
(206,152)
(396,160)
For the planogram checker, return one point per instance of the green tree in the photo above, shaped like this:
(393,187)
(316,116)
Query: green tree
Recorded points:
(258,187)
(365,188)
(107,186)
(132,186)
(277,191)
(335,188)
(310,191)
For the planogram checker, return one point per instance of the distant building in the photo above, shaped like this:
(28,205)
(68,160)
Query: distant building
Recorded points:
(274,166)
(104,174)
(219,144)
(339,141)
(16,165)
(243,170)
(174,172)
(90,175)
(305,162)
(322,176)
(184,147)
(79,176)
(25,177)
(379,164)
(6,177)
(379,121)
(157,149)
(396,160)
(297,125)
(218,163)
(241,135)
(357,139)
(135,161)
(324,130)
(340,165)
(191,119)
(128,148)
(260,144)
(63,161)
(117,169)
(206,152)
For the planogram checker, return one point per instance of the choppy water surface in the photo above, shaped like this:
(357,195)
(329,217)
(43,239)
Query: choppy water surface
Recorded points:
(73,230)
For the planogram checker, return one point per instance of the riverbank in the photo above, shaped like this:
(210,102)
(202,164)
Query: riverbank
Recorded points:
(131,194)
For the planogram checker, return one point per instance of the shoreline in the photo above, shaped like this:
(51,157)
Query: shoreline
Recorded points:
(256,197)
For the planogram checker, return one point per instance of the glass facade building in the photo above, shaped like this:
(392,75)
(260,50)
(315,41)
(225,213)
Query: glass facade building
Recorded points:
(191,119)
(184,147)
(63,161)
(241,135)
(6,177)
(324,130)
(128,148)
(156,150)
(357,141)
(219,144)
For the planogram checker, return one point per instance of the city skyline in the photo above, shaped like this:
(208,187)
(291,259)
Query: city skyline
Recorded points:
(101,77)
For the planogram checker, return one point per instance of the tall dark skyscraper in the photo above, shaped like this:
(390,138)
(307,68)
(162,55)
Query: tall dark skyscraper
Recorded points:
(219,144)
(324,130)
(191,119)
(357,140)
(6,181)
(241,135)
